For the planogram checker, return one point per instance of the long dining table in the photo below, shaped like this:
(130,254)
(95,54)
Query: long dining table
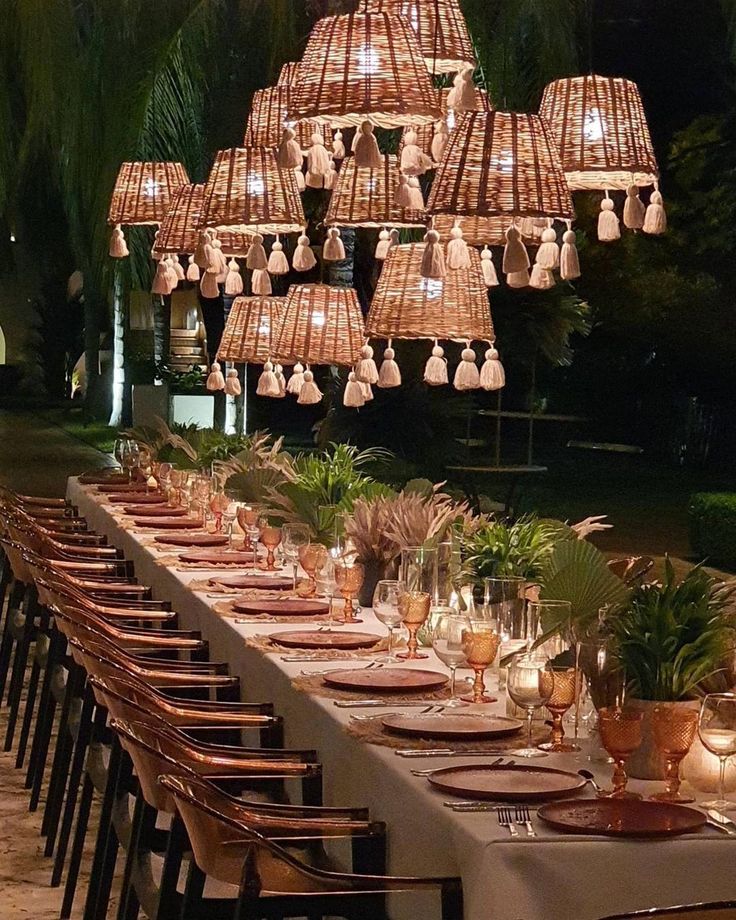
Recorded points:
(552,876)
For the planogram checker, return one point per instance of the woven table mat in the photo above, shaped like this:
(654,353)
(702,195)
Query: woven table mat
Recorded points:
(313,683)
(371,731)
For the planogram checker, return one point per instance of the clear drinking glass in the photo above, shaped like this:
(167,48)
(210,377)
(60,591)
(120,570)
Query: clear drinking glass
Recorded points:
(717,730)
(448,639)
(387,610)
(121,445)
(325,580)
(293,538)
(229,516)
(130,457)
(503,603)
(418,569)
(528,688)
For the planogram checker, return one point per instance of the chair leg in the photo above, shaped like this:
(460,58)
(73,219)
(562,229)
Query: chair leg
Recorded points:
(129,904)
(452,901)
(191,904)
(6,645)
(28,712)
(170,875)
(62,756)
(15,691)
(45,724)
(75,861)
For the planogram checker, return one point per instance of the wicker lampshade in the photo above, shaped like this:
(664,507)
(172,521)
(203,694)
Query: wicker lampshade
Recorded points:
(247,191)
(501,164)
(489,231)
(365,197)
(364,67)
(601,132)
(440,27)
(289,73)
(143,192)
(425,133)
(408,306)
(268,118)
(320,324)
(179,234)
(249,330)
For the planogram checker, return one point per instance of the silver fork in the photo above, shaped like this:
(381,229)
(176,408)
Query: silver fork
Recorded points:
(505,819)
(525,819)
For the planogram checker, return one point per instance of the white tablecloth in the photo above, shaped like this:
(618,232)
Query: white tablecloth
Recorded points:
(552,877)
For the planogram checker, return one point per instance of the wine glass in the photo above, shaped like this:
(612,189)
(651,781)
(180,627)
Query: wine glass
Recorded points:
(674,732)
(312,558)
(163,475)
(176,477)
(414,607)
(387,610)
(229,516)
(325,582)
(528,687)
(447,642)
(218,505)
(621,735)
(130,457)
(717,730)
(119,449)
(270,537)
(349,580)
(293,538)
(481,643)
(248,518)
(564,679)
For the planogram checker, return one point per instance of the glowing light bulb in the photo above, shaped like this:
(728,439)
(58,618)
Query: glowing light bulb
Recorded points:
(450,120)
(594,126)
(368,60)
(432,287)
(150,188)
(318,319)
(410,10)
(254,184)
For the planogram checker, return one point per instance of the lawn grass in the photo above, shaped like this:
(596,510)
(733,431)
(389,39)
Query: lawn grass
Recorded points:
(71,418)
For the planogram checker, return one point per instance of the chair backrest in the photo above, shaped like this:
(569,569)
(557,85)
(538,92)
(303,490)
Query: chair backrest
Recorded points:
(714,910)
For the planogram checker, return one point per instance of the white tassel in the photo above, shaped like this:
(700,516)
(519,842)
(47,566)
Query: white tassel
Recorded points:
(220,261)
(548,254)
(338,147)
(260,282)
(234,280)
(200,253)
(290,153)
(353,395)
(440,140)
(608,223)
(433,258)
(634,210)
(296,381)
(382,245)
(280,380)
(232,383)
(318,162)
(118,246)
(300,182)
(461,97)
(331,177)
(518,279)
(569,260)
(515,256)
(161,281)
(193,270)
(367,391)
(366,370)
(278,264)
(178,268)
(215,380)
(490,278)
(492,374)
(367,153)
(414,162)
(401,198)
(310,393)
(542,279)
(208,286)
(435,370)
(333,249)
(268,385)
(394,238)
(389,375)
(304,259)
(467,376)
(655,220)
(458,255)
(256,255)
(171,274)
(415,197)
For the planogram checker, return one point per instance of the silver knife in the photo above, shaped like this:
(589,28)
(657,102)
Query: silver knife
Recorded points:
(447,752)
(721,822)
(386,704)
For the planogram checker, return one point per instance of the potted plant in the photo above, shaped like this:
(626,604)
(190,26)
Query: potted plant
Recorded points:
(672,639)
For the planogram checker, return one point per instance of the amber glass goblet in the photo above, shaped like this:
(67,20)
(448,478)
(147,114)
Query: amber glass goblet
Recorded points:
(564,685)
(219,503)
(414,608)
(270,537)
(480,643)
(620,731)
(312,558)
(349,580)
(674,731)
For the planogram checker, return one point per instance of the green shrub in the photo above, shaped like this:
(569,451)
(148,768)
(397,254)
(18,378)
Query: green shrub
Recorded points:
(713,527)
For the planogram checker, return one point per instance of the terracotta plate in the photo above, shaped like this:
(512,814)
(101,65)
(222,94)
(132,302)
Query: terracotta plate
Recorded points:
(622,818)
(253,581)
(102,478)
(191,539)
(139,498)
(157,510)
(387,680)
(452,725)
(287,608)
(169,523)
(123,486)
(325,639)
(525,783)
(217,557)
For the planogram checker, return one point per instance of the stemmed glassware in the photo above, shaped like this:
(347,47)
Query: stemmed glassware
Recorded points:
(448,639)
(248,518)
(270,536)
(218,506)
(119,449)
(325,582)
(293,538)
(229,516)
(386,606)
(717,730)
(349,577)
(312,557)
(130,457)
(674,731)
(621,735)
(176,477)
(414,608)
(163,475)
(480,643)
(563,677)
(529,687)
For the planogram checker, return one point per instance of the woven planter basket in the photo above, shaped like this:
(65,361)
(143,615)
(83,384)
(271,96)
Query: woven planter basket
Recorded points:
(247,192)
(249,330)
(601,132)
(426,133)
(440,28)
(143,192)
(489,231)
(362,67)
(408,306)
(289,73)
(364,197)
(501,164)
(320,324)
(268,117)
(179,234)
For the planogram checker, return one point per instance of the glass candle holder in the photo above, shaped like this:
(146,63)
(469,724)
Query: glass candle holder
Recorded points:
(481,644)
(674,731)
(620,731)
(349,580)
(414,608)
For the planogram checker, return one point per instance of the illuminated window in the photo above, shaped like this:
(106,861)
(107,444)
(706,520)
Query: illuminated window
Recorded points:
(594,126)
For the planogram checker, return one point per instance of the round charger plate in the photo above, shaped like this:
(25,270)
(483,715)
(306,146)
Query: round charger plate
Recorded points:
(123,486)
(287,608)
(516,782)
(387,680)
(325,639)
(157,510)
(622,818)
(253,581)
(164,523)
(102,478)
(217,557)
(138,498)
(191,539)
(453,725)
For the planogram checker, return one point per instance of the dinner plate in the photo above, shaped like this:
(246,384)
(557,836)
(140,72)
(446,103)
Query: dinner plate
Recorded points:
(266,582)
(157,510)
(102,478)
(169,523)
(123,486)
(293,607)
(216,557)
(453,725)
(387,680)
(191,539)
(622,818)
(325,639)
(137,498)
(516,782)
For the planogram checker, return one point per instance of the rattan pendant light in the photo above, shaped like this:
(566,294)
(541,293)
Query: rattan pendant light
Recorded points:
(440,28)
(603,138)
(505,165)
(268,119)
(407,305)
(289,73)
(142,194)
(249,330)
